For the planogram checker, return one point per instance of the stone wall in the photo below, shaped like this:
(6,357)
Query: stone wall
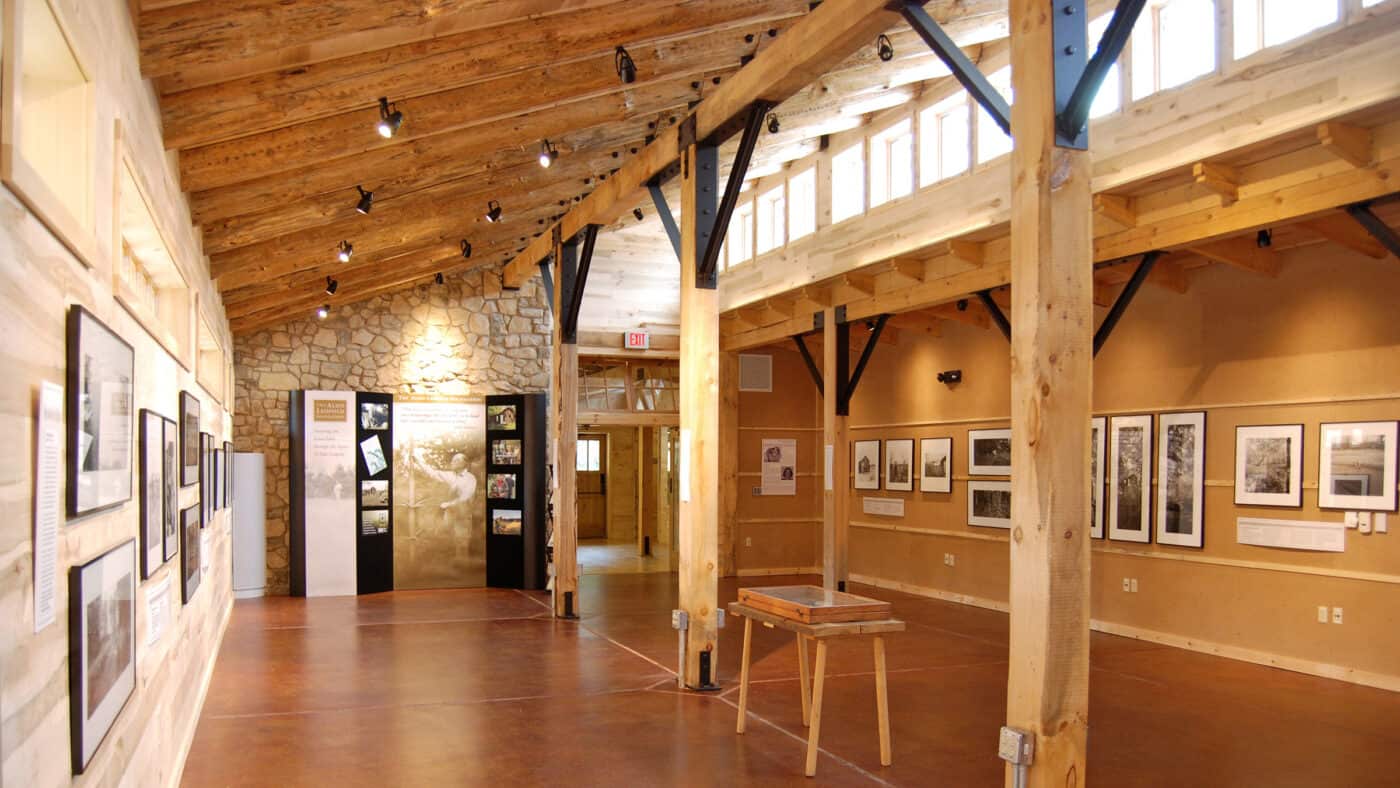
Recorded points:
(465,337)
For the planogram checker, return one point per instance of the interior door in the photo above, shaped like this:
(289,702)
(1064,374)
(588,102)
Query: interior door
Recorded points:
(592,480)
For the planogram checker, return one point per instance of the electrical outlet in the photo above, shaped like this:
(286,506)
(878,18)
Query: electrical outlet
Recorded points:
(952,560)
(1378,522)
(1322,614)
(748,541)
(1336,615)
(1127,586)
(1134,589)
(1363,522)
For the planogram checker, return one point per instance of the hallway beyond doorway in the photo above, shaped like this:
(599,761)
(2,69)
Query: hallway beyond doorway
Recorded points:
(601,557)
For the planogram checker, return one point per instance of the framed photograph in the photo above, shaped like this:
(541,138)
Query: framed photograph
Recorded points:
(189,553)
(867,465)
(989,504)
(1356,470)
(1181,479)
(899,464)
(170,517)
(100,419)
(936,465)
(101,646)
(153,495)
(1130,486)
(189,439)
(374,493)
(373,452)
(206,479)
(506,522)
(228,473)
(1098,440)
(1269,465)
(374,415)
(500,418)
(989,452)
(505,451)
(374,521)
(216,455)
(500,486)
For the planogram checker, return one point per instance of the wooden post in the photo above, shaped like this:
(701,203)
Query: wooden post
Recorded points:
(641,460)
(1052,324)
(564,397)
(835,518)
(728,464)
(699,450)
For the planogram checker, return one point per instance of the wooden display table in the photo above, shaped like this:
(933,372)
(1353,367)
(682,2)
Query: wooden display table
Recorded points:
(815,613)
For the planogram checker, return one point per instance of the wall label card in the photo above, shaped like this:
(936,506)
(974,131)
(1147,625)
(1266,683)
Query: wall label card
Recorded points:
(1292,534)
(47,476)
(886,507)
(830,456)
(779,463)
(157,610)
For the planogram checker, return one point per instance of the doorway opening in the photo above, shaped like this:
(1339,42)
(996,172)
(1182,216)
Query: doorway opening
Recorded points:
(625,487)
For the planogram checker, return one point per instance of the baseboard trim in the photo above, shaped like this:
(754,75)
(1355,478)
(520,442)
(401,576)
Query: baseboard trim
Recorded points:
(779,570)
(1297,665)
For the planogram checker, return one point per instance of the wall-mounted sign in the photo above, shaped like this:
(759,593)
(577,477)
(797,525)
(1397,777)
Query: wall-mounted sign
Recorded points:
(637,340)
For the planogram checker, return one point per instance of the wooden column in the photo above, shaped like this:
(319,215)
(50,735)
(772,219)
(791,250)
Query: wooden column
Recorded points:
(728,464)
(1051,391)
(699,390)
(835,518)
(641,459)
(564,400)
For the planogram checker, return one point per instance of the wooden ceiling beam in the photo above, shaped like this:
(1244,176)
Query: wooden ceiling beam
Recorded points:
(539,90)
(1219,178)
(1342,230)
(1119,208)
(1347,142)
(265,102)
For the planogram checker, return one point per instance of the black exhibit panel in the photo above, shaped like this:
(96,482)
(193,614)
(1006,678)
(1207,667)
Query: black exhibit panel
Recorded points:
(374,495)
(515,491)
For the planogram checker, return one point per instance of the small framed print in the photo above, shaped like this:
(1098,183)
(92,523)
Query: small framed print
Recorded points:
(989,452)
(101,420)
(1181,479)
(500,418)
(899,464)
(101,647)
(1130,486)
(228,474)
(1098,440)
(500,486)
(989,504)
(936,465)
(189,553)
(189,439)
(1269,465)
(170,538)
(152,491)
(505,451)
(1356,467)
(867,465)
(506,522)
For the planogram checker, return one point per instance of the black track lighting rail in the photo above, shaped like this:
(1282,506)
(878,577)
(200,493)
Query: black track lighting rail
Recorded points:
(994,310)
(1120,304)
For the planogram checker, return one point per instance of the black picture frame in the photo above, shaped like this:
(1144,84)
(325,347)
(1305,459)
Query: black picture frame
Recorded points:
(98,435)
(101,647)
(153,494)
(868,450)
(228,474)
(189,439)
(206,479)
(170,536)
(190,524)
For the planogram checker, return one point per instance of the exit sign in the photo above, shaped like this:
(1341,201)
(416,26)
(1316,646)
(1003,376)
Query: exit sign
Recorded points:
(638,340)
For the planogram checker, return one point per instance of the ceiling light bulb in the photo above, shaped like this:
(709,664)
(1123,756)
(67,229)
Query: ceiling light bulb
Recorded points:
(322,311)
(366,200)
(773,125)
(389,119)
(547,154)
(886,49)
(331,286)
(466,249)
(626,69)
(493,211)
(344,251)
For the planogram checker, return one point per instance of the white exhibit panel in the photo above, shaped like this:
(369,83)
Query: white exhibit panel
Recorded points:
(249,526)
(329,479)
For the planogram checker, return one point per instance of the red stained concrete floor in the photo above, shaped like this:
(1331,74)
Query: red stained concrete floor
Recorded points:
(481,687)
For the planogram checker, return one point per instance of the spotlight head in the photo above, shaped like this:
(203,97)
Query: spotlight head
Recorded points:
(1264,239)
(637,212)
(322,311)
(438,278)
(331,286)
(962,304)
(389,119)
(366,200)
(773,125)
(950,377)
(466,249)
(886,49)
(344,251)
(548,154)
(493,211)
(626,69)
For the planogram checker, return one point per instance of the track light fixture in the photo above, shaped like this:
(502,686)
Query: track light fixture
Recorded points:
(548,153)
(773,125)
(438,278)
(886,49)
(389,119)
(637,212)
(1264,239)
(366,200)
(626,69)
(493,211)
(466,249)
(322,311)
(344,251)
(331,286)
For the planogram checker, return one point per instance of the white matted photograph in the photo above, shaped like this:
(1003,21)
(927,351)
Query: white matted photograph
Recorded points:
(102,646)
(1130,485)
(867,465)
(899,464)
(1181,461)
(1098,440)
(989,452)
(1269,465)
(989,504)
(1356,466)
(936,465)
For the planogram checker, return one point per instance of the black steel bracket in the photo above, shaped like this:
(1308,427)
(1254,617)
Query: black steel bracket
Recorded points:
(1078,83)
(564,281)
(848,389)
(811,362)
(964,70)
(1378,229)
(706,268)
(663,210)
(548,280)
(573,295)
(1120,304)
(994,309)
